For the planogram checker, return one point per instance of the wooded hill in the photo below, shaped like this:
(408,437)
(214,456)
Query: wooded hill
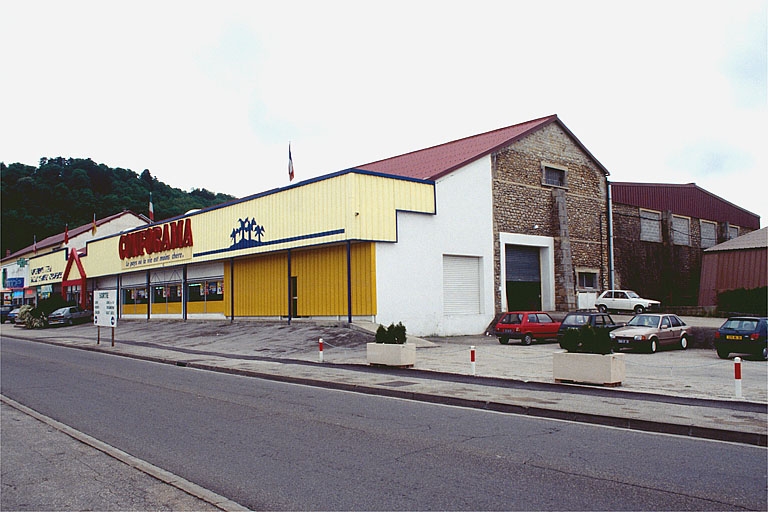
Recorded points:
(40,201)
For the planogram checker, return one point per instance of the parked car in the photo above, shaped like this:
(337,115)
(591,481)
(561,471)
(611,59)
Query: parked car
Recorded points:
(4,310)
(742,335)
(650,332)
(13,315)
(576,320)
(625,300)
(70,315)
(526,326)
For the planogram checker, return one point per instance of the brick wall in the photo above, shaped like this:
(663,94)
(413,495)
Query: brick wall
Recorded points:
(522,205)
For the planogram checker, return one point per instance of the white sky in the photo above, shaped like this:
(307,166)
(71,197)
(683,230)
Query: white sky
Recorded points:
(208,94)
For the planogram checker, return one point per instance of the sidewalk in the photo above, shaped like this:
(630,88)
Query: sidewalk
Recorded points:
(680,392)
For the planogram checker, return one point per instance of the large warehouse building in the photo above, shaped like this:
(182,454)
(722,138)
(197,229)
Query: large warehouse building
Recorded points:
(440,239)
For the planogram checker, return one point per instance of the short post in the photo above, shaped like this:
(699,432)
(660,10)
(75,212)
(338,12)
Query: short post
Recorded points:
(98,334)
(320,348)
(113,336)
(472,358)
(737,375)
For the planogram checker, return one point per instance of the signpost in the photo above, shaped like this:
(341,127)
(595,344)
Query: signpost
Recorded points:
(105,312)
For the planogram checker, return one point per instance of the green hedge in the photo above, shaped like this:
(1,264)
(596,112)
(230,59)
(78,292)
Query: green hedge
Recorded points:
(750,302)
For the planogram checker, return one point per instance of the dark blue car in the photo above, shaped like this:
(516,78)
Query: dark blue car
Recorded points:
(742,335)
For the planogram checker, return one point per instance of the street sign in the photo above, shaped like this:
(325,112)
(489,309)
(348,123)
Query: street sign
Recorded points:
(105,308)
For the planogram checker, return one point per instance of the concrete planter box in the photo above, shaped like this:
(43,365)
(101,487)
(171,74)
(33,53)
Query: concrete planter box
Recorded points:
(608,369)
(383,354)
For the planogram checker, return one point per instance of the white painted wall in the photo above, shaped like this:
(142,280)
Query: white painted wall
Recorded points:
(409,273)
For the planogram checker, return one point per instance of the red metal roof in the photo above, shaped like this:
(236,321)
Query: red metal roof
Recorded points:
(686,199)
(434,162)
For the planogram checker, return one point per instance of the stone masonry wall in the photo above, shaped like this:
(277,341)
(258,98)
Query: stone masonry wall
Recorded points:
(523,205)
(658,270)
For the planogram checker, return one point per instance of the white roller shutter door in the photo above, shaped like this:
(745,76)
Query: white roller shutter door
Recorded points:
(461,285)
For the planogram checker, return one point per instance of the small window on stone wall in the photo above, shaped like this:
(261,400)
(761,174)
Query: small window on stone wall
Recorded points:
(681,230)
(733,232)
(650,226)
(588,280)
(553,177)
(708,234)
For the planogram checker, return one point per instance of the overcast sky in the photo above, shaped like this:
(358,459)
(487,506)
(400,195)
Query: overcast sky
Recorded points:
(209,94)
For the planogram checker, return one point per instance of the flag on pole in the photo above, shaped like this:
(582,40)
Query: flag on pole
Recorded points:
(151,208)
(93,226)
(34,244)
(66,234)
(290,163)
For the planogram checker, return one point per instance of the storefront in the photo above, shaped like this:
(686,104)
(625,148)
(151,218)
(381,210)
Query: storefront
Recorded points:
(307,250)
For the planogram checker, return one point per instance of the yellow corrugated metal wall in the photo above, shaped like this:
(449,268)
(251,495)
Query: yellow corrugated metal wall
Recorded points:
(260,286)
(321,276)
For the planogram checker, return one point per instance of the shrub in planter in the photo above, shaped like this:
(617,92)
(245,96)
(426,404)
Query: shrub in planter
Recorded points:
(392,335)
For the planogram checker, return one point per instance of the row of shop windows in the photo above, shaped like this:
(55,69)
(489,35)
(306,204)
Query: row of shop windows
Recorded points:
(202,297)
(205,291)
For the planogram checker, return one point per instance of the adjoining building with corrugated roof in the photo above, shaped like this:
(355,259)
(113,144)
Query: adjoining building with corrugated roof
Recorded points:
(738,264)
(661,231)
(20,287)
(440,239)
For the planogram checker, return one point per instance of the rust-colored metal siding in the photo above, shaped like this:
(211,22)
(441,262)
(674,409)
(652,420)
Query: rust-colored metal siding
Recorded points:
(688,200)
(731,270)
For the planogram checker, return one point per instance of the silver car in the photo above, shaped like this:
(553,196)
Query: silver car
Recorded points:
(70,315)
(651,331)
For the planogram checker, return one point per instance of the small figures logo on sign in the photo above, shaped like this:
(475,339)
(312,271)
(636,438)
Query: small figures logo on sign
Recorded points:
(248,234)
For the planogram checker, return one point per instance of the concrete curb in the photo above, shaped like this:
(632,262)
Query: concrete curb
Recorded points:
(145,467)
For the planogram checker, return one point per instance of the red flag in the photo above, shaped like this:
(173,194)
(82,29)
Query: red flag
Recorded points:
(66,234)
(290,163)
(151,209)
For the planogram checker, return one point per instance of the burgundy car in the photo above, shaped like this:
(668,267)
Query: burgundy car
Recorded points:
(526,326)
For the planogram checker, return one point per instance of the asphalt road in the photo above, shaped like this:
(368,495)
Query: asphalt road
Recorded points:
(270,445)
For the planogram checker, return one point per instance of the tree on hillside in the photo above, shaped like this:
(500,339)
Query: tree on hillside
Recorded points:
(39,201)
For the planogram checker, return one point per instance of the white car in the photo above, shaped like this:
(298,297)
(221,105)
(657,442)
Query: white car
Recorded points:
(625,300)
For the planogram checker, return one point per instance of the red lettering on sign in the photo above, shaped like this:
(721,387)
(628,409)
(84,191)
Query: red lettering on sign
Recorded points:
(173,235)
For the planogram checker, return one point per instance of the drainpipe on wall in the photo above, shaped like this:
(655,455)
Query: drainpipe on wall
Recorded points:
(611,267)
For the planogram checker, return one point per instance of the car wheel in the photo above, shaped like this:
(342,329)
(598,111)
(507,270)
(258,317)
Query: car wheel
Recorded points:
(683,343)
(639,310)
(69,321)
(527,339)
(503,340)
(602,308)
(653,345)
(765,353)
(722,354)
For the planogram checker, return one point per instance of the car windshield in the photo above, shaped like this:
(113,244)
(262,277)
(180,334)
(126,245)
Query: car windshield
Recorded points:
(644,321)
(576,320)
(632,295)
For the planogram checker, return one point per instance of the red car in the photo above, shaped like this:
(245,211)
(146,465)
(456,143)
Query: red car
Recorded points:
(526,326)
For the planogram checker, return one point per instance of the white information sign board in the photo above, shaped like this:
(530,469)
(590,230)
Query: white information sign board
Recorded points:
(105,308)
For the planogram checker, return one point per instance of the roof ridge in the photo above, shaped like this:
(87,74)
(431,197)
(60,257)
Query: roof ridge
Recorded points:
(463,139)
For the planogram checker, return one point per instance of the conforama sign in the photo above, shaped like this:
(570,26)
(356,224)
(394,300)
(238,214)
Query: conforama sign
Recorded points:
(170,236)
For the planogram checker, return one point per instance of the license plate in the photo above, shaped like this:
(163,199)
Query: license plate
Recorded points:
(623,342)
(731,337)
